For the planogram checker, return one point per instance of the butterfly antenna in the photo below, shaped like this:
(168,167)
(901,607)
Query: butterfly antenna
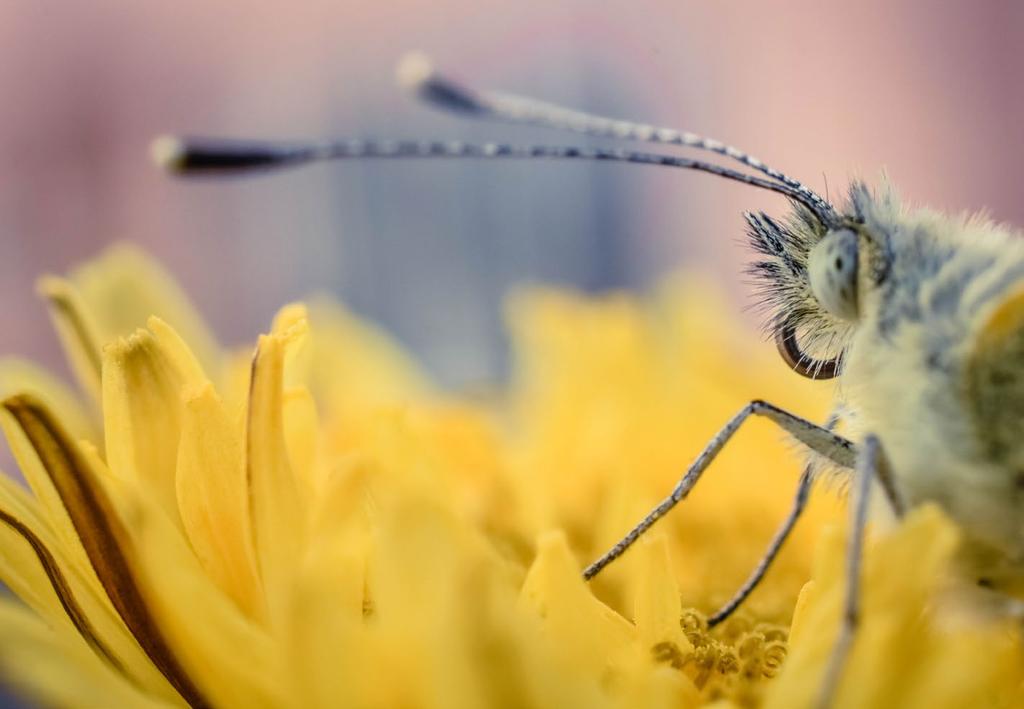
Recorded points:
(196,156)
(416,74)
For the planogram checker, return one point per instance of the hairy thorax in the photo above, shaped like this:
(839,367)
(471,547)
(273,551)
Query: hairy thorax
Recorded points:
(936,370)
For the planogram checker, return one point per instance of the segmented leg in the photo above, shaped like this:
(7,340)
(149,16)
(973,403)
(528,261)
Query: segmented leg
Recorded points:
(883,473)
(822,441)
(803,491)
(870,461)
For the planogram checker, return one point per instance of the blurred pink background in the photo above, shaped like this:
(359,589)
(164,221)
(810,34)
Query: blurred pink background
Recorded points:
(931,92)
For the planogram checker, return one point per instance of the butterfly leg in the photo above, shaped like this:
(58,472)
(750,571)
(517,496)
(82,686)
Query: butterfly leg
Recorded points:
(803,491)
(871,465)
(819,439)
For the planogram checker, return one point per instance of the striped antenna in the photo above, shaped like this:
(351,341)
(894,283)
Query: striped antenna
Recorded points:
(185,156)
(416,74)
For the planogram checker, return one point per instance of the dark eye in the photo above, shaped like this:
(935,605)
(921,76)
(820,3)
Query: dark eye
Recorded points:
(832,272)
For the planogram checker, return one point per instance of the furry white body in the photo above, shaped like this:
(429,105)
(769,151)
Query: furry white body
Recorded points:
(916,374)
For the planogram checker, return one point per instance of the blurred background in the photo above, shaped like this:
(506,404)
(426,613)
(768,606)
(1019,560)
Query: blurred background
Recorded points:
(824,91)
(931,92)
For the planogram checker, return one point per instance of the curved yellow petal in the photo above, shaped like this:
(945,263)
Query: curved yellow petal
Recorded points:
(142,412)
(52,669)
(903,654)
(102,533)
(292,318)
(594,635)
(231,660)
(458,644)
(20,376)
(276,511)
(177,351)
(326,623)
(213,498)
(52,506)
(355,366)
(34,567)
(657,605)
(345,508)
(234,384)
(302,439)
(79,334)
(124,287)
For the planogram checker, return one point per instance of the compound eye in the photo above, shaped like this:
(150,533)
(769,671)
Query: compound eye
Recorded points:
(832,270)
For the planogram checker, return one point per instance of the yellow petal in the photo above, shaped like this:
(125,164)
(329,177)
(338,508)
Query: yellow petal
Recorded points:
(594,635)
(213,498)
(356,366)
(199,630)
(657,604)
(293,317)
(52,507)
(142,412)
(27,559)
(902,654)
(230,659)
(78,333)
(177,351)
(278,519)
(326,623)
(234,384)
(806,599)
(124,287)
(18,376)
(53,669)
(102,533)
(301,432)
(292,321)
(344,506)
(447,644)
(33,566)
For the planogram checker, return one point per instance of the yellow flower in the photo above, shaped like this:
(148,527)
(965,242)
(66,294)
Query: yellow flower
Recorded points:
(318,525)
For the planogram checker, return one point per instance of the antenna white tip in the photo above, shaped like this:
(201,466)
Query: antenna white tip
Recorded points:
(168,152)
(414,70)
